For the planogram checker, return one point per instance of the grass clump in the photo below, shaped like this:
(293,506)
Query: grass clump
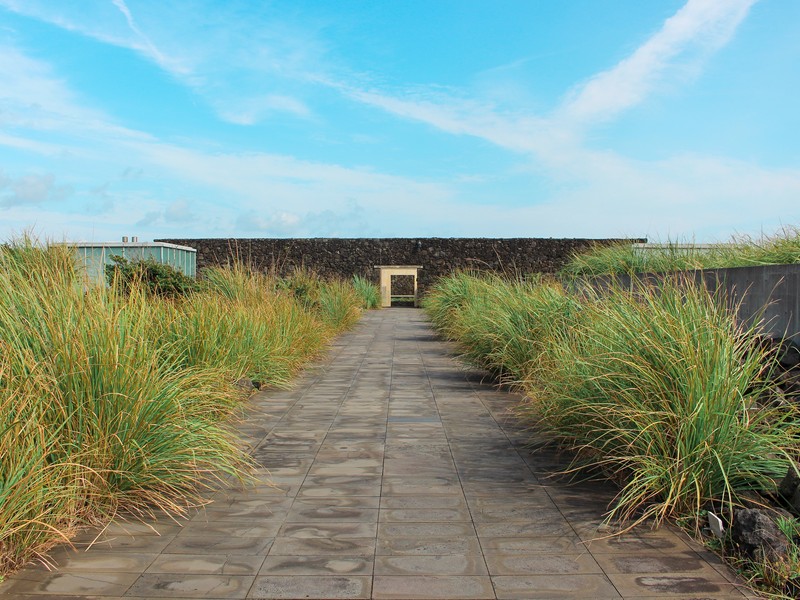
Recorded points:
(779,577)
(117,398)
(255,332)
(336,301)
(368,292)
(659,386)
(655,384)
(501,325)
(93,417)
(625,259)
(741,251)
(661,389)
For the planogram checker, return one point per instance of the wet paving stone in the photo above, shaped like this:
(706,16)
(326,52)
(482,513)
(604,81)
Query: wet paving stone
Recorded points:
(390,471)
(205,564)
(328,530)
(547,587)
(432,564)
(212,544)
(276,587)
(561,545)
(264,528)
(431,547)
(315,546)
(541,564)
(317,565)
(425,531)
(652,562)
(103,562)
(667,585)
(68,583)
(332,513)
(423,502)
(128,543)
(662,540)
(430,587)
(189,585)
(358,502)
(426,515)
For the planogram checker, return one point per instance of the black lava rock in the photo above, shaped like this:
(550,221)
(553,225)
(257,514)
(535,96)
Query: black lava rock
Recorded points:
(757,535)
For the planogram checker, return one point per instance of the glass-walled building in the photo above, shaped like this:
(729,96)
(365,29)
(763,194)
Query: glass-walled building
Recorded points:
(94,256)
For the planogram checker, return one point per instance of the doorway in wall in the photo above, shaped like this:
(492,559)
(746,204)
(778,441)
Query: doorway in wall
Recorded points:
(402,290)
(398,283)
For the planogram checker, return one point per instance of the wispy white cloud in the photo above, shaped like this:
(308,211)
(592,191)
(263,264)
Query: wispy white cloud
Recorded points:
(270,181)
(349,220)
(146,45)
(29,145)
(518,132)
(35,99)
(179,212)
(275,223)
(37,102)
(605,190)
(113,31)
(590,192)
(237,61)
(697,29)
(250,111)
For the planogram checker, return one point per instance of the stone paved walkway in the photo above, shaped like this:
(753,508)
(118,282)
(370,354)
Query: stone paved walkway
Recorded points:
(398,474)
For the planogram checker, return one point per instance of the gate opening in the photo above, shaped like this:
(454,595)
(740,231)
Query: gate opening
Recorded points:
(399,285)
(403,291)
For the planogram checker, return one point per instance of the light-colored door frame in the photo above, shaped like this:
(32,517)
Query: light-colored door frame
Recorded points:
(386,281)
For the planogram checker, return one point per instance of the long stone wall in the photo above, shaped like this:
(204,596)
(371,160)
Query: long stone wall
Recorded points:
(437,256)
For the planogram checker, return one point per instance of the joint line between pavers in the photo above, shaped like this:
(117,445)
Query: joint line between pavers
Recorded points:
(342,400)
(383,462)
(322,371)
(455,467)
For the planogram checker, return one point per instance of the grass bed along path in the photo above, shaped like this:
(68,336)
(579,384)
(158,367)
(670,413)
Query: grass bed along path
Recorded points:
(742,251)
(117,399)
(657,386)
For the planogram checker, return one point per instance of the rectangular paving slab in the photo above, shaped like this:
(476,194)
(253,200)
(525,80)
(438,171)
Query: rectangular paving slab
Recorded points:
(390,471)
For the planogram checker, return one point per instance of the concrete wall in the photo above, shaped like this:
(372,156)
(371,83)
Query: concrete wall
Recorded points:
(770,294)
(346,257)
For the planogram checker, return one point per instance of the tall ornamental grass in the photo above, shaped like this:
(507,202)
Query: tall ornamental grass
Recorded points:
(116,399)
(782,247)
(93,419)
(368,292)
(659,386)
(240,325)
(501,325)
(447,298)
(619,259)
(337,302)
(663,389)
(41,499)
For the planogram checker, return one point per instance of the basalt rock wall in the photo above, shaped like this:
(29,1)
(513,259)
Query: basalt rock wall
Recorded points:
(437,256)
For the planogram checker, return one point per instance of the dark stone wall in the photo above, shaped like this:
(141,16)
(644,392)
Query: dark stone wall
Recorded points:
(349,256)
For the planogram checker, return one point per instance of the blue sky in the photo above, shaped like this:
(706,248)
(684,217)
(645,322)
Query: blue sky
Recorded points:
(496,118)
